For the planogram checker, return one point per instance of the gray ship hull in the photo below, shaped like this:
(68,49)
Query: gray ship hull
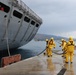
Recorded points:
(18,23)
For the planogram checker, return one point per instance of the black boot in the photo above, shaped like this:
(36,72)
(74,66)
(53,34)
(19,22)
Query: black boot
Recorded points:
(44,53)
(71,62)
(48,56)
(66,62)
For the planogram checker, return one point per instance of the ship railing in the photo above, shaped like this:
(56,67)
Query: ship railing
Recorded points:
(27,10)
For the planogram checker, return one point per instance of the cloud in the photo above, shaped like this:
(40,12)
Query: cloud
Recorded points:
(58,15)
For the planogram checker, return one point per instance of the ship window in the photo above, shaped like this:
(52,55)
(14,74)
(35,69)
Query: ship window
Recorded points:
(4,7)
(17,14)
(32,22)
(37,25)
(26,19)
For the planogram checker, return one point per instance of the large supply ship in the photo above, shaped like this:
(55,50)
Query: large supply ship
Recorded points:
(18,24)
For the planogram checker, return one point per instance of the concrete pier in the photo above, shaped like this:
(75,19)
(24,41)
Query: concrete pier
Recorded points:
(40,65)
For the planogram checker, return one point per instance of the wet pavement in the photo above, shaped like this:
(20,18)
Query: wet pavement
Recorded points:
(41,65)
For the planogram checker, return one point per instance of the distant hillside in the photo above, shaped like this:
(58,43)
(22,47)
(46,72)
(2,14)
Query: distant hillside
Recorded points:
(42,37)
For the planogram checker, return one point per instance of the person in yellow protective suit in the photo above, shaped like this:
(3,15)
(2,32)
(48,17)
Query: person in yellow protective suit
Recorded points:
(63,46)
(45,53)
(51,45)
(69,50)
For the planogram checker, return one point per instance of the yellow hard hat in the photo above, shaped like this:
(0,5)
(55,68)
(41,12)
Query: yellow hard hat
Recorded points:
(70,39)
(46,39)
(52,38)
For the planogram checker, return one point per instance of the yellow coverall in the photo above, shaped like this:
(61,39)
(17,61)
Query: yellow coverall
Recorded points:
(69,51)
(51,45)
(63,47)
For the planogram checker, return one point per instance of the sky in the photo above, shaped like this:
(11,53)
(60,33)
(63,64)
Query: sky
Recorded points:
(59,16)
